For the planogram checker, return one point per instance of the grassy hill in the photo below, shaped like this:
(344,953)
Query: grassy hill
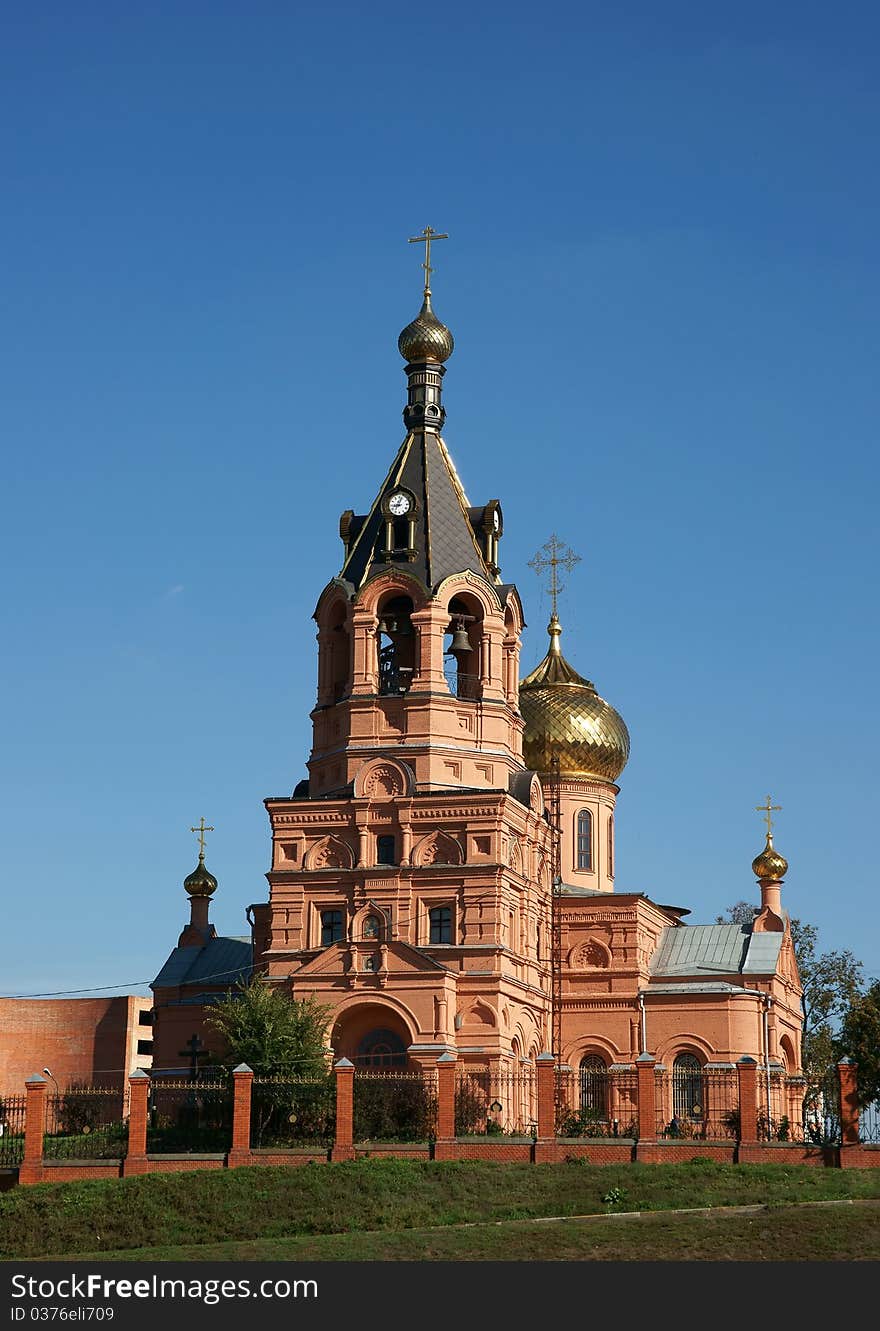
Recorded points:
(411,1210)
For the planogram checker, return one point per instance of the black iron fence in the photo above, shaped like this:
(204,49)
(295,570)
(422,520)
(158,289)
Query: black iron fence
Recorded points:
(12,1116)
(502,1101)
(812,1115)
(869,1125)
(701,1104)
(288,1112)
(189,1115)
(86,1123)
(394,1106)
(597,1102)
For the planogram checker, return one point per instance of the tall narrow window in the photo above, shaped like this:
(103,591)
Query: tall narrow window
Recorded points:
(611,845)
(331,927)
(594,1085)
(585,839)
(440,921)
(687,1087)
(385,850)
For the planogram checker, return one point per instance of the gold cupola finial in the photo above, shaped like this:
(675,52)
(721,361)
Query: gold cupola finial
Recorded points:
(426,338)
(201,882)
(769,865)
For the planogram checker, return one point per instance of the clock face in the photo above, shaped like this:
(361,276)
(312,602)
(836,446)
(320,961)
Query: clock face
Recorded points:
(399,504)
(496,520)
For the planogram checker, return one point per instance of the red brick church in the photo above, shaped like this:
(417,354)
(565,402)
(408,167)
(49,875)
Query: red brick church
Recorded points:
(412,874)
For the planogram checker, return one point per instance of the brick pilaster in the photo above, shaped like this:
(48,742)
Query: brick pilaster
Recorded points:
(747,1081)
(343,1145)
(545,1067)
(31,1168)
(135,1161)
(847,1080)
(647,1102)
(242,1091)
(446,1070)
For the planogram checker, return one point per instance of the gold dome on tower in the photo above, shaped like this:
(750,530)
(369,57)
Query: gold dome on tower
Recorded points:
(426,338)
(770,864)
(566,719)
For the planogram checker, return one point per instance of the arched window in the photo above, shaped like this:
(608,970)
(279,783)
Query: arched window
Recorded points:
(687,1087)
(585,839)
(381,1049)
(594,1086)
(611,845)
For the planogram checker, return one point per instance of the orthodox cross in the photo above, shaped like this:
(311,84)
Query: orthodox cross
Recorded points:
(768,810)
(201,829)
(427,236)
(194,1048)
(558,555)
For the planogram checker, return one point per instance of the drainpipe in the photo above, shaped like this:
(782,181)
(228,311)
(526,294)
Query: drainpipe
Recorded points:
(643,1026)
(767,1001)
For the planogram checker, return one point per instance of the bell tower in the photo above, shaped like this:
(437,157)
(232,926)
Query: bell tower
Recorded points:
(418,638)
(410,876)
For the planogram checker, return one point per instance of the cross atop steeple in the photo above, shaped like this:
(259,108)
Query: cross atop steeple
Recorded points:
(201,829)
(427,236)
(560,555)
(768,810)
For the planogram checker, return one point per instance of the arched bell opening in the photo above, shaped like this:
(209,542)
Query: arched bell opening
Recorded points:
(464,636)
(338,648)
(396,640)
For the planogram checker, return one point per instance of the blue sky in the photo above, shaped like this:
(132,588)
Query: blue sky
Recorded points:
(662,281)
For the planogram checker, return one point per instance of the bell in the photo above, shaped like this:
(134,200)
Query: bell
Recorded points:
(387,626)
(382,627)
(461,643)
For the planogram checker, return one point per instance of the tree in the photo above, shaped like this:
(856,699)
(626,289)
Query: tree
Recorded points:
(742,912)
(276,1035)
(860,1040)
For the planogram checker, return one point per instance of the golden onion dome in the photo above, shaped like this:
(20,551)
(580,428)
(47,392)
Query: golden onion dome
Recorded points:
(426,338)
(770,864)
(201,882)
(566,718)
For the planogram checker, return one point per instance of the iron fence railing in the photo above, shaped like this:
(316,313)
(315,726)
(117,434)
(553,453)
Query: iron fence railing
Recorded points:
(869,1125)
(500,1101)
(815,1114)
(86,1123)
(12,1116)
(466,687)
(700,1104)
(595,1102)
(290,1112)
(187,1115)
(394,1106)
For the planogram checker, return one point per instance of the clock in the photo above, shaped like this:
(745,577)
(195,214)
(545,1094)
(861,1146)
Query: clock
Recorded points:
(496,519)
(399,504)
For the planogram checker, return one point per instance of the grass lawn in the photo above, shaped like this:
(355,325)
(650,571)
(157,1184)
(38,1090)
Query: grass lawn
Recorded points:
(414,1210)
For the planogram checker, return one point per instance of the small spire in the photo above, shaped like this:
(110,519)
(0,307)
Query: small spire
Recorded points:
(554,628)
(769,865)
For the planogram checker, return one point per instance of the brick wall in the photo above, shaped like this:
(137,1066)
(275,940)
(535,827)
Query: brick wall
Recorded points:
(79,1039)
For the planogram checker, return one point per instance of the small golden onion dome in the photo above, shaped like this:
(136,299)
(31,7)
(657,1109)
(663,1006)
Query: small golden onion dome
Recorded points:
(200,883)
(426,338)
(770,864)
(565,717)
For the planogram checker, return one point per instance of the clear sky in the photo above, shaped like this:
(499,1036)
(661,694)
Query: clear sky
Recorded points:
(662,281)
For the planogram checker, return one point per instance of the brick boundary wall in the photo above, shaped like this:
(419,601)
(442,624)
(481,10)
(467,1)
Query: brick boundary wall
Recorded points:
(545,1148)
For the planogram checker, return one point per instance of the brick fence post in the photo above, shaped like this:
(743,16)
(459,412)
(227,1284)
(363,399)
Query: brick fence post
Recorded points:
(647,1101)
(847,1080)
(444,1143)
(747,1086)
(545,1073)
(135,1161)
(31,1168)
(242,1090)
(343,1145)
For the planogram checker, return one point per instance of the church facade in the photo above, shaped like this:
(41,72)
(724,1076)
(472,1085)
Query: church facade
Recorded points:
(444,880)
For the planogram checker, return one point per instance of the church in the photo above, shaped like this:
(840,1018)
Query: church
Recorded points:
(444,879)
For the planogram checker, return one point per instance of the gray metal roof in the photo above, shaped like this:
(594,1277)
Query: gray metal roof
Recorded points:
(445,542)
(222,961)
(724,949)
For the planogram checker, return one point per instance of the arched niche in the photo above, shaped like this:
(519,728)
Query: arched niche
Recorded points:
(383,779)
(331,852)
(589,954)
(370,924)
(437,848)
